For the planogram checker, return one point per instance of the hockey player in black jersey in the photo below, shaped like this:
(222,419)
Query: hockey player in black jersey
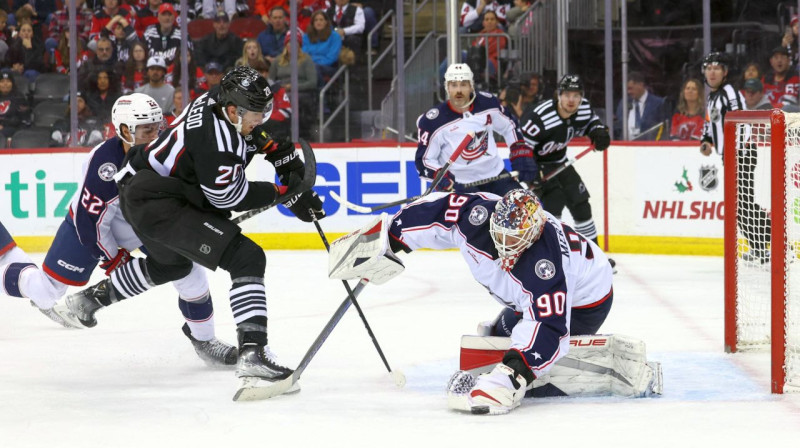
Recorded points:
(753,221)
(548,127)
(178,191)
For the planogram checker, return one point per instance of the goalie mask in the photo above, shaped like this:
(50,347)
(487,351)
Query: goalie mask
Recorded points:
(134,110)
(244,88)
(517,222)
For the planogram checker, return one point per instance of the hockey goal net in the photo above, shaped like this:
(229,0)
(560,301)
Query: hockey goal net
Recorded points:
(762,239)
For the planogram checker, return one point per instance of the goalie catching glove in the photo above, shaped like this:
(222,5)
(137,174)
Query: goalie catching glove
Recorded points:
(289,167)
(365,254)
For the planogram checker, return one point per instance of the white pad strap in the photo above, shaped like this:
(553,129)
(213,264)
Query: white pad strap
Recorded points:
(365,254)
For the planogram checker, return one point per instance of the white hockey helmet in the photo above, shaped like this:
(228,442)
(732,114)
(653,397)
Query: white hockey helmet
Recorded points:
(516,223)
(459,72)
(133,110)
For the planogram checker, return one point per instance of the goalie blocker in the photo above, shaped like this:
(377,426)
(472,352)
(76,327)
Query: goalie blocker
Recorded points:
(596,365)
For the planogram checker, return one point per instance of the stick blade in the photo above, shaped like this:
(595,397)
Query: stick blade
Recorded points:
(251,390)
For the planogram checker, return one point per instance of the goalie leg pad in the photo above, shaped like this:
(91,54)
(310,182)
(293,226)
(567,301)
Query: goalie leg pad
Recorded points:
(365,254)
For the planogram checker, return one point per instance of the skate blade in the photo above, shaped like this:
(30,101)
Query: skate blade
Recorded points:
(254,388)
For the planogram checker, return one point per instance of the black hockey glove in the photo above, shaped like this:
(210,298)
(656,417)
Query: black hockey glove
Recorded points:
(523,162)
(261,139)
(285,159)
(600,138)
(304,204)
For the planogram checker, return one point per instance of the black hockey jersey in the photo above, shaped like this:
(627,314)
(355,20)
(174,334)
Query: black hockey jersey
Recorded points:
(548,134)
(206,153)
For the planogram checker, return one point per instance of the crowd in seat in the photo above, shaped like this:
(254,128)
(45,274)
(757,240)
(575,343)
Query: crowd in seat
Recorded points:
(127,46)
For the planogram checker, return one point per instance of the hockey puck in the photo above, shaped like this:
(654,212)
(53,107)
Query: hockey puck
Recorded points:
(479,410)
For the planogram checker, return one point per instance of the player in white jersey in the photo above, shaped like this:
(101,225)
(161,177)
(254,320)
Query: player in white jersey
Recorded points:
(753,221)
(552,280)
(442,129)
(94,232)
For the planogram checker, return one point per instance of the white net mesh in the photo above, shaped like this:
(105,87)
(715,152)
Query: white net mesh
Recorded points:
(753,218)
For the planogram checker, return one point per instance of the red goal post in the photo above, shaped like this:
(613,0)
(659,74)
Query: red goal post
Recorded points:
(761,161)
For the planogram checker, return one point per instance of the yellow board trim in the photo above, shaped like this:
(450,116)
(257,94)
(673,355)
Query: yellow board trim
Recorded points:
(300,241)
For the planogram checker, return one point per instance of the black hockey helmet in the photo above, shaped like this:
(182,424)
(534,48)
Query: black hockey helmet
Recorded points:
(244,87)
(570,83)
(716,58)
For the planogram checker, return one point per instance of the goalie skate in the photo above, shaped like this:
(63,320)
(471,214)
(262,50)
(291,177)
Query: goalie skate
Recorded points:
(214,353)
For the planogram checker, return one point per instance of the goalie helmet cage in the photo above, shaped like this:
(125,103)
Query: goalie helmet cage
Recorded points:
(762,239)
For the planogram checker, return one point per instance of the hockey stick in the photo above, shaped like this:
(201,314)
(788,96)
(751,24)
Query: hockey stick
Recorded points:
(281,387)
(309,179)
(434,183)
(478,183)
(397,376)
(566,165)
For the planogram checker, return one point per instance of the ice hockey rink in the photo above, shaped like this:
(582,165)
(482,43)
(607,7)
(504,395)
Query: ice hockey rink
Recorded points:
(134,380)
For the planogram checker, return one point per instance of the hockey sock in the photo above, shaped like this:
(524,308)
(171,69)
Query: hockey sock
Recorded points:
(129,280)
(199,314)
(11,275)
(249,306)
(587,229)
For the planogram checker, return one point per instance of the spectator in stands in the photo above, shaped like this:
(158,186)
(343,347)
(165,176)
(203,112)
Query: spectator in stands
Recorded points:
(754,97)
(121,33)
(103,60)
(251,53)
(197,79)
(156,85)
(281,72)
(494,44)
(103,92)
(62,60)
(134,73)
(213,72)
(687,122)
(472,14)
(35,12)
(272,38)
(5,36)
(323,45)
(783,79)
(348,20)
(645,110)
(511,98)
(221,46)
(164,39)
(90,130)
(111,8)
(15,111)
(751,71)
(278,124)
(789,40)
(532,86)
(26,53)
(177,105)
(147,16)
(263,8)
(519,9)
(60,22)
(306,8)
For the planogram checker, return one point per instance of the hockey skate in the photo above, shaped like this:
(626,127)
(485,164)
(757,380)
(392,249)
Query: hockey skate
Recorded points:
(55,317)
(79,309)
(257,368)
(214,352)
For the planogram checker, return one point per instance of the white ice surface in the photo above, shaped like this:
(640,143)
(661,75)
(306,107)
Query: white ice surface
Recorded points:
(134,380)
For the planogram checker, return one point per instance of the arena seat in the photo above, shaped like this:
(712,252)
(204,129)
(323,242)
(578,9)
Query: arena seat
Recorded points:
(199,28)
(46,113)
(31,138)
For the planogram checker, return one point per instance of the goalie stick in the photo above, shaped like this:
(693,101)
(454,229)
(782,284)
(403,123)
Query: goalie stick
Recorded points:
(281,387)
(397,376)
(309,179)
(434,183)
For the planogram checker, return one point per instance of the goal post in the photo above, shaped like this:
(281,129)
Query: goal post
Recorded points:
(761,160)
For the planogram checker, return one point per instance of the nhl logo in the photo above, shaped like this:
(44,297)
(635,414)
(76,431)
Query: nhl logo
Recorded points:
(107,171)
(205,248)
(478,215)
(708,177)
(545,269)
(714,114)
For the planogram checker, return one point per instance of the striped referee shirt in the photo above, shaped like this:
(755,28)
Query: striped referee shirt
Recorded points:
(721,101)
